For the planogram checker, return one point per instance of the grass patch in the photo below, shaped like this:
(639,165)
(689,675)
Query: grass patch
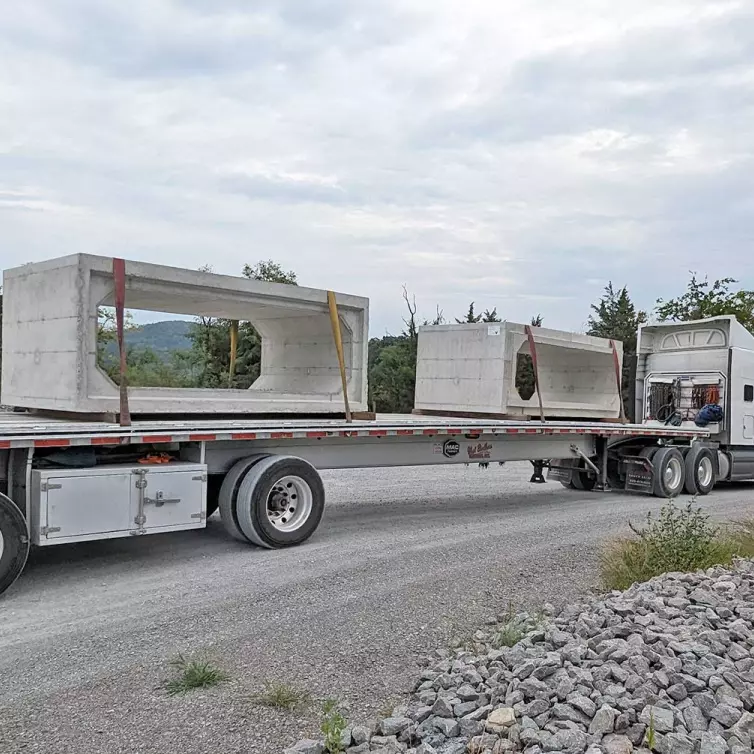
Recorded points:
(281,696)
(194,674)
(678,539)
(514,627)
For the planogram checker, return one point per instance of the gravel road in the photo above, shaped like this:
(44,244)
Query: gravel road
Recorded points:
(404,560)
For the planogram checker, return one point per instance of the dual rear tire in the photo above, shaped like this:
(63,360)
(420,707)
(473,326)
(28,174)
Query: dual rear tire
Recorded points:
(272,501)
(675,471)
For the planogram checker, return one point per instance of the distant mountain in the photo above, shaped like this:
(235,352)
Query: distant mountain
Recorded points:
(170,335)
(161,337)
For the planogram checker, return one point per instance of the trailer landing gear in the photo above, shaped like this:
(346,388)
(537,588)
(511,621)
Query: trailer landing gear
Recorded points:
(538,476)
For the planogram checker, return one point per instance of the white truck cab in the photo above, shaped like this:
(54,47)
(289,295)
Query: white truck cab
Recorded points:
(683,367)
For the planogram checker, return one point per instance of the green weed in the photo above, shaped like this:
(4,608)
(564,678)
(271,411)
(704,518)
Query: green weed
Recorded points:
(678,539)
(333,726)
(194,674)
(281,696)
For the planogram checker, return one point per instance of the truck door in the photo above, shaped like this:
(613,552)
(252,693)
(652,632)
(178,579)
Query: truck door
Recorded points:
(749,411)
(742,397)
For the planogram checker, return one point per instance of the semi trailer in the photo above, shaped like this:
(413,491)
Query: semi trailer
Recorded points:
(66,479)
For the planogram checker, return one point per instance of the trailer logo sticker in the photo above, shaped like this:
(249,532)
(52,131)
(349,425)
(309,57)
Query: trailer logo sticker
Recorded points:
(450,448)
(479,452)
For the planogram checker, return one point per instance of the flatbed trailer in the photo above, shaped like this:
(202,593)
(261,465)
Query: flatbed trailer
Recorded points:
(64,481)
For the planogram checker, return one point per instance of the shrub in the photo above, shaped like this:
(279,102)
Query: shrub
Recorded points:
(333,726)
(678,539)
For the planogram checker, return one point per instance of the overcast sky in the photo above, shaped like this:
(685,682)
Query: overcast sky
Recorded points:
(518,154)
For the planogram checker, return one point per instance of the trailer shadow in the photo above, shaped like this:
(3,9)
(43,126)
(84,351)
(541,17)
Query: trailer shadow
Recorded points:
(390,515)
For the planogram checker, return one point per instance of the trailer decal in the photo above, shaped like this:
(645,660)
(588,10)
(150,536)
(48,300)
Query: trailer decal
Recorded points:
(479,452)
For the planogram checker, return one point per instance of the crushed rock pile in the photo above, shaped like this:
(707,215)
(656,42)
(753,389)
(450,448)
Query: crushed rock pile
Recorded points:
(666,666)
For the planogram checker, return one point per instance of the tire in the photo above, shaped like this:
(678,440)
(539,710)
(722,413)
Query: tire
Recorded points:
(670,472)
(649,453)
(280,502)
(226,498)
(14,542)
(582,481)
(700,470)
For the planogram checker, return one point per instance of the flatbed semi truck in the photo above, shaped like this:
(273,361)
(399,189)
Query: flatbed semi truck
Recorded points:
(71,480)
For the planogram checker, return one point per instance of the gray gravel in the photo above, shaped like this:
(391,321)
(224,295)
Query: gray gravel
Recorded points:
(596,678)
(404,560)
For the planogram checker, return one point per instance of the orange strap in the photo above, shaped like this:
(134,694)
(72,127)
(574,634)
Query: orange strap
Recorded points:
(156,458)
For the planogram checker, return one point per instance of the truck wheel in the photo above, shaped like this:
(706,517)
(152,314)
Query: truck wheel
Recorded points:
(229,491)
(700,470)
(280,502)
(14,542)
(670,472)
(581,480)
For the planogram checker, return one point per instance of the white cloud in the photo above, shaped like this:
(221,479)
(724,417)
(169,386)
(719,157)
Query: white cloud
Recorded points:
(513,154)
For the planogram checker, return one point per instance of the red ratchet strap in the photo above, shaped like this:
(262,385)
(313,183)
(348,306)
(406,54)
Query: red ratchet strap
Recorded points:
(619,380)
(119,278)
(533,351)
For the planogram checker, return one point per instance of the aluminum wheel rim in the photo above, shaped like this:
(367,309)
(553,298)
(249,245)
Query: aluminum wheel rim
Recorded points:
(2,544)
(673,474)
(289,503)
(705,471)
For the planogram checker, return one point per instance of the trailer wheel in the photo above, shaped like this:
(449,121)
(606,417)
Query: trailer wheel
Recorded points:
(14,542)
(670,472)
(229,492)
(582,480)
(280,502)
(700,470)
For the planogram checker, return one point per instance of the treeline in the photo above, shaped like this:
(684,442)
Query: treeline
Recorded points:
(211,362)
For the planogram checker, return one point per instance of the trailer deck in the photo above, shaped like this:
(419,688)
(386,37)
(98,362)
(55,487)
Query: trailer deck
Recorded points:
(18,430)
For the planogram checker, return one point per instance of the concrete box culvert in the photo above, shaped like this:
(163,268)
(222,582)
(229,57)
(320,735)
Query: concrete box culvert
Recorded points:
(50,312)
(472,368)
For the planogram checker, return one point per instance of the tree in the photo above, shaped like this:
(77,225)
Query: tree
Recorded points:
(108,355)
(614,316)
(392,364)
(472,317)
(703,299)
(211,337)
(269,272)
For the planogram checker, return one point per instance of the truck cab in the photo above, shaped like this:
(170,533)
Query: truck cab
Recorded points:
(684,368)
